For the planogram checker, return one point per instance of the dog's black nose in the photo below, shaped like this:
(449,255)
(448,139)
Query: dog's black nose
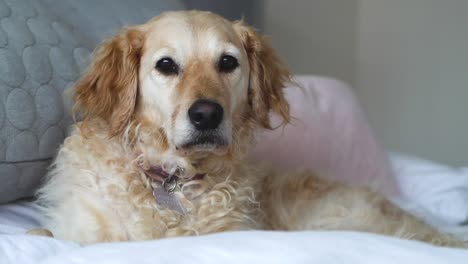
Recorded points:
(205,114)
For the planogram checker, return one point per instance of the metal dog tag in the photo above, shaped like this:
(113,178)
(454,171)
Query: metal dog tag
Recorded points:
(168,200)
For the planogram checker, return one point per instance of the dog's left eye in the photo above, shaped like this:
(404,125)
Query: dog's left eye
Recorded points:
(227,63)
(167,66)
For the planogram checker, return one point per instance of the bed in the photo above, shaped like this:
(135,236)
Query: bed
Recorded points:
(442,204)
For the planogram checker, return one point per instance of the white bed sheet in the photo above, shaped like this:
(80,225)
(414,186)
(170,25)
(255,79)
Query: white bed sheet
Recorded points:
(244,247)
(432,191)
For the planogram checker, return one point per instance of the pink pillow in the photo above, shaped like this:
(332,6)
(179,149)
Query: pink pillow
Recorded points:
(330,135)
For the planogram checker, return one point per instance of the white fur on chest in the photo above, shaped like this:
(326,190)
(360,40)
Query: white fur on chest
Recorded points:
(96,192)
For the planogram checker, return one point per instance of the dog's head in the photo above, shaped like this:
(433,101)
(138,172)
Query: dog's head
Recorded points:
(200,81)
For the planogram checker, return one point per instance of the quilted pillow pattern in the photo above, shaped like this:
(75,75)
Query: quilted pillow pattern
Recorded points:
(39,58)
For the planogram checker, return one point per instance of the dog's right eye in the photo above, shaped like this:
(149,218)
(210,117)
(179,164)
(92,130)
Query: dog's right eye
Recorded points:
(167,66)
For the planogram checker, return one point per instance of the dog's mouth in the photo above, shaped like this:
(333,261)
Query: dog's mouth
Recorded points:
(204,142)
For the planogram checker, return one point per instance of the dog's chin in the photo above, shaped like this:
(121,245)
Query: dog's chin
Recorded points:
(203,145)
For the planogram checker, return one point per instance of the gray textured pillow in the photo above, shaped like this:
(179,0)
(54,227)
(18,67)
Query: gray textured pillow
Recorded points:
(97,20)
(39,58)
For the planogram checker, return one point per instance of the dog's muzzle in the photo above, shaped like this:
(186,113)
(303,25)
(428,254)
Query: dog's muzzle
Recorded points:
(205,115)
(208,131)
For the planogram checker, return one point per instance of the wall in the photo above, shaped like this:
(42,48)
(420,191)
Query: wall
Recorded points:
(407,59)
(412,75)
(233,10)
(314,36)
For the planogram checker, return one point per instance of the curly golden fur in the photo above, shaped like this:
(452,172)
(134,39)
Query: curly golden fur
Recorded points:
(134,117)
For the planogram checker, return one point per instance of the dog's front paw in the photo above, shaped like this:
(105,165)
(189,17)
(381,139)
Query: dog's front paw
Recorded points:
(40,232)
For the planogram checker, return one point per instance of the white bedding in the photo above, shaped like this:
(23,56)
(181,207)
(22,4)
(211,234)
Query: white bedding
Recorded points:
(238,247)
(435,192)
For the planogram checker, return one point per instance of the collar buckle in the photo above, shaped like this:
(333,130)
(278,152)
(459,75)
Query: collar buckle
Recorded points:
(170,184)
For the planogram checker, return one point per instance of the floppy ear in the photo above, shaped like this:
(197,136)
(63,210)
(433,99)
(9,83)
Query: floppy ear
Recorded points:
(109,88)
(268,76)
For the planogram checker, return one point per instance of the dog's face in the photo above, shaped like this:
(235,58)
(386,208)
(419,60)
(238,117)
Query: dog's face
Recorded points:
(194,74)
(195,77)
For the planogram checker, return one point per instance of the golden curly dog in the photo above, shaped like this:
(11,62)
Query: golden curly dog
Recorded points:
(169,111)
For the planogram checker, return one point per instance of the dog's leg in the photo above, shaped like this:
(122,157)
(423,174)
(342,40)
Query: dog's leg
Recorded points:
(306,202)
(40,232)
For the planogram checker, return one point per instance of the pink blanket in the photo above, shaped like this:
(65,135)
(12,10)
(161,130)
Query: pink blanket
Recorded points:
(329,135)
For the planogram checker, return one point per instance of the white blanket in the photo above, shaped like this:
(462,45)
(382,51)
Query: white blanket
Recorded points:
(432,191)
(238,247)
